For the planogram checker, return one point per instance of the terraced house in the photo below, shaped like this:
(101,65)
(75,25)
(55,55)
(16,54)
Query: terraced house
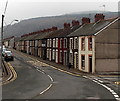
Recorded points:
(89,46)
(57,43)
(97,43)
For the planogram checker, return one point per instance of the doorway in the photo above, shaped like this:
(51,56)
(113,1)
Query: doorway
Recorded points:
(90,63)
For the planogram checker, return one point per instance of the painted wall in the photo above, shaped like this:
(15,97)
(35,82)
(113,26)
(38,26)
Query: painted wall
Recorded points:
(86,52)
(107,49)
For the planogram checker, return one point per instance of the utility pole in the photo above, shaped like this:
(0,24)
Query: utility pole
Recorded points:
(2,32)
(3,15)
(2,38)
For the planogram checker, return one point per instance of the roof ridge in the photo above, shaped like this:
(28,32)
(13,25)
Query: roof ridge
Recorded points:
(107,25)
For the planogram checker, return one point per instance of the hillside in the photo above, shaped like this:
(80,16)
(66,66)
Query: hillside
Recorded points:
(35,24)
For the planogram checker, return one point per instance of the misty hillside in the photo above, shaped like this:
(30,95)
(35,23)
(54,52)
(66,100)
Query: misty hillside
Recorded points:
(35,24)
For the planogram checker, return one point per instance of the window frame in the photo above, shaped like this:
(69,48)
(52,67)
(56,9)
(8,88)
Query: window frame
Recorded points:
(90,44)
(82,44)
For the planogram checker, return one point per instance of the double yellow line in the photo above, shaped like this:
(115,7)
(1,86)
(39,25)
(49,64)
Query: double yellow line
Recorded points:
(13,74)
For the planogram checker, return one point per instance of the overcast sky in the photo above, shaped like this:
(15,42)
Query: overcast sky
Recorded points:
(25,9)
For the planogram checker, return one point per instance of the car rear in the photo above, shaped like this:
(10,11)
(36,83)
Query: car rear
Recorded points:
(8,56)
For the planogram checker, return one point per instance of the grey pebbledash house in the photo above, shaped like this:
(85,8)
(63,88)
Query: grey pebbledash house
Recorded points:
(94,46)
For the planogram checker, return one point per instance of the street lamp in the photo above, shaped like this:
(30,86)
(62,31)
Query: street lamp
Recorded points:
(15,20)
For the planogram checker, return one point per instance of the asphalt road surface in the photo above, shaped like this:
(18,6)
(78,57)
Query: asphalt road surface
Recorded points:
(36,82)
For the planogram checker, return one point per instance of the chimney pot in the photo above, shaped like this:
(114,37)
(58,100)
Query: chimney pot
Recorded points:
(54,28)
(66,25)
(75,23)
(85,20)
(99,17)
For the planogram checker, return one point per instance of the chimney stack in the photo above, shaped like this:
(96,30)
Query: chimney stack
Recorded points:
(66,25)
(99,17)
(75,23)
(85,20)
(54,28)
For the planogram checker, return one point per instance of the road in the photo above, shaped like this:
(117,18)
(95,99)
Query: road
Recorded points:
(37,82)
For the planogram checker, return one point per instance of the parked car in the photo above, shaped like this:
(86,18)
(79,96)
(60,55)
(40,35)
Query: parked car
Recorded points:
(3,52)
(8,56)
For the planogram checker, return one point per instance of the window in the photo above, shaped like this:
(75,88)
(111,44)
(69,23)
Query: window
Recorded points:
(61,43)
(56,56)
(53,42)
(61,56)
(56,42)
(83,61)
(65,43)
(71,43)
(47,53)
(53,55)
(82,43)
(36,43)
(75,43)
(90,43)
(50,43)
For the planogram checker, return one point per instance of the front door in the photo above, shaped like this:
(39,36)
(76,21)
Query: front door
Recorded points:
(90,63)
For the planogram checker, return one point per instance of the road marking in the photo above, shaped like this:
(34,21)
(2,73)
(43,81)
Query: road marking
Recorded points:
(118,99)
(40,71)
(50,78)
(46,89)
(116,95)
(10,75)
(108,88)
(100,81)
(13,71)
(96,79)
(14,74)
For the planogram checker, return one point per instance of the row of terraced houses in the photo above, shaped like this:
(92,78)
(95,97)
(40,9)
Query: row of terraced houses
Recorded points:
(88,46)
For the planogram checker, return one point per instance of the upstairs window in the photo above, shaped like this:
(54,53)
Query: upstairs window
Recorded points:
(50,43)
(53,42)
(82,43)
(75,43)
(56,42)
(90,43)
(61,43)
(71,43)
(65,43)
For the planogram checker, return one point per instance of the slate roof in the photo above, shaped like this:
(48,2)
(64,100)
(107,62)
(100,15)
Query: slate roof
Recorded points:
(41,35)
(17,39)
(30,37)
(61,32)
(22,38)
(91,28)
